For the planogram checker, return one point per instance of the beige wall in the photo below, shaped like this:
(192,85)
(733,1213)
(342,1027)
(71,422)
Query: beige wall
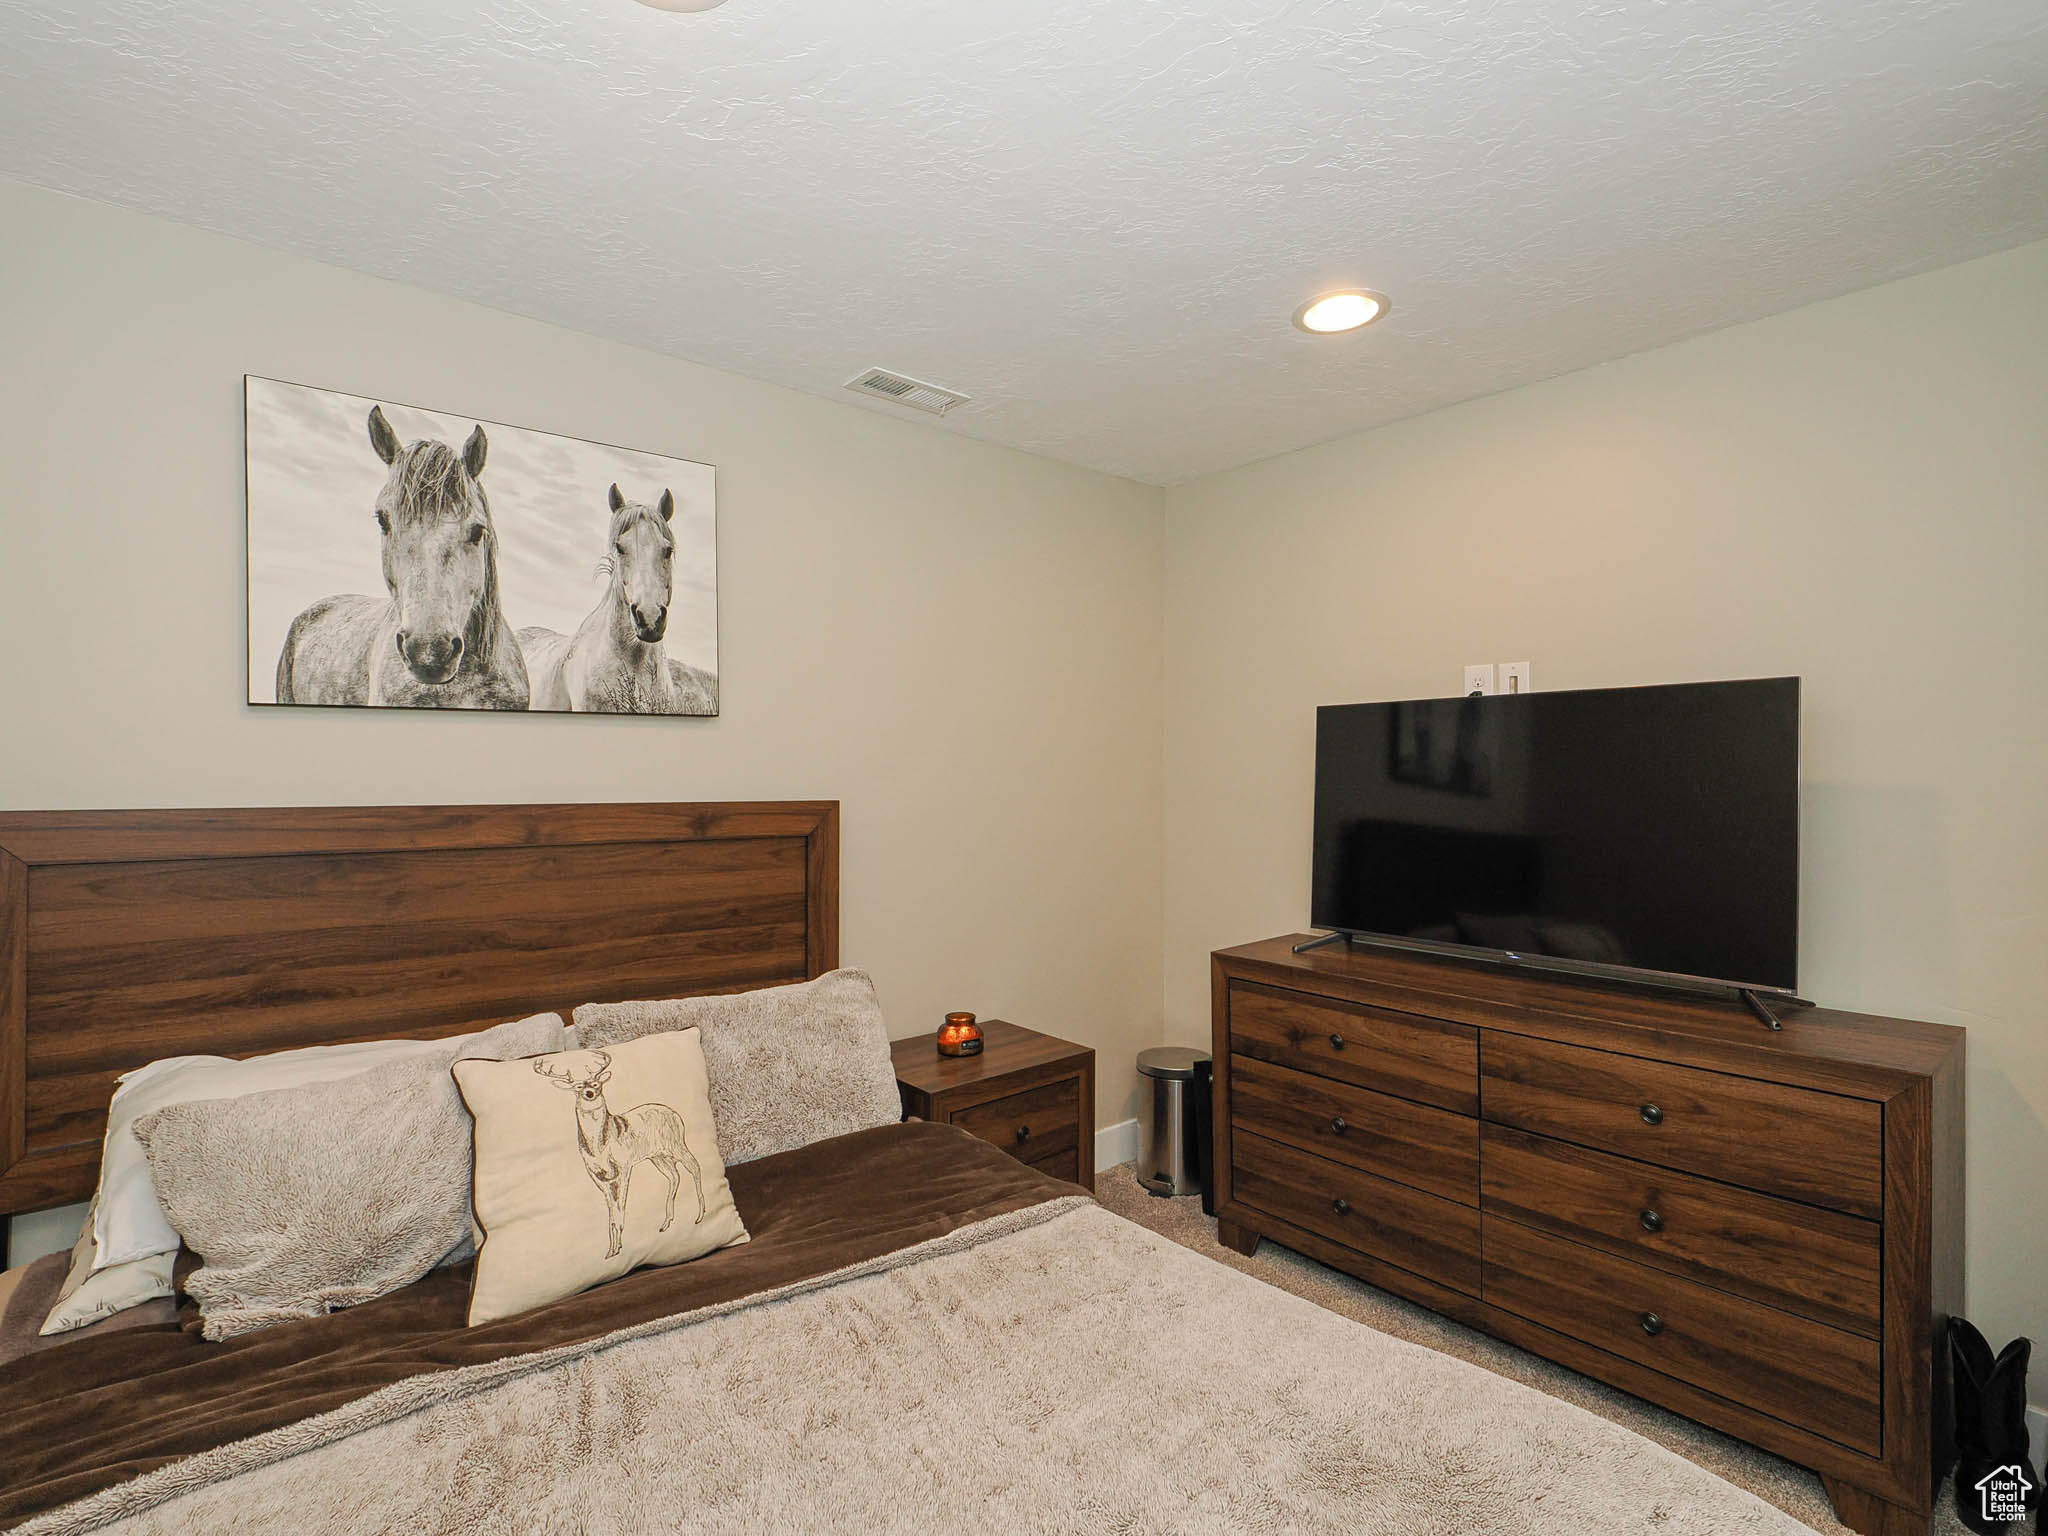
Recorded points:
(1856,492)
(963,643)
(957,641)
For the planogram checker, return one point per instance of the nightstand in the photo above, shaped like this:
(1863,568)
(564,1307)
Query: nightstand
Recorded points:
(1032,1095)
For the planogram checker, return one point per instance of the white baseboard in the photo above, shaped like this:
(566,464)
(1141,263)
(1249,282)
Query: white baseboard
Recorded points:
(1116,1144)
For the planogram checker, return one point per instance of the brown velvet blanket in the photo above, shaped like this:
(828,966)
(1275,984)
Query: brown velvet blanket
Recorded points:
(96,1412)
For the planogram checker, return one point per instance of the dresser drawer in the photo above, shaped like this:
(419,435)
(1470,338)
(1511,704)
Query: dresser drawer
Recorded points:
(1421,1233)
(1036,1125)
(1819,1147)
(1818,1263)
(1794,1369)
(1415,1144)
(1429,1060)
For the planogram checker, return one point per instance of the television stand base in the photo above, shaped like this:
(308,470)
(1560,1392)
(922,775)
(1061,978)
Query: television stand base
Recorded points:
(1762,1009)
(1329,938)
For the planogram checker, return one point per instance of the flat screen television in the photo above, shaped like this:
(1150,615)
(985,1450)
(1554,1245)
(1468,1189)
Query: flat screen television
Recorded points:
(1644,832)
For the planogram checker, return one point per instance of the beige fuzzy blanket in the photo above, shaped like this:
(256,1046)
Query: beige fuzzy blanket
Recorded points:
(1055,1370)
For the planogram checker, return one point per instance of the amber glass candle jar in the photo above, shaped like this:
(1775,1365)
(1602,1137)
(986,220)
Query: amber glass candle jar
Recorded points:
(959,1036)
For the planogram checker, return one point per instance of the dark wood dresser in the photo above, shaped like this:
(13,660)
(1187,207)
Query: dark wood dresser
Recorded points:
(1033,1095)
(1760,1230)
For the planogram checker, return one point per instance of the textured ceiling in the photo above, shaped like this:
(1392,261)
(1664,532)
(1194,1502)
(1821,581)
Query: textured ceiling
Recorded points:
(1093,216)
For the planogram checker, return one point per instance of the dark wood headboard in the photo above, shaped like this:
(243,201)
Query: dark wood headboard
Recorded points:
(126,936)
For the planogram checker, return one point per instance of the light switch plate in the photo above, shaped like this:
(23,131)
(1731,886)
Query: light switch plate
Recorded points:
(1514,677)
(1479,679)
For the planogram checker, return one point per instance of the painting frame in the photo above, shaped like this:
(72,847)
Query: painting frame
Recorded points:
(585,573)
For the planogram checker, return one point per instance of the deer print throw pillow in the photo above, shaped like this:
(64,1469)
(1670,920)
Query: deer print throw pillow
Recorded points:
(789,1065)
(589,1164)
(300,1201)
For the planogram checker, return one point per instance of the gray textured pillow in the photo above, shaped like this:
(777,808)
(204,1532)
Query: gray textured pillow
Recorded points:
(300,1201)
(788,1065)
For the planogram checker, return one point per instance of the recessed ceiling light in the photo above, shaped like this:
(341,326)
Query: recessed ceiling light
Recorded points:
(1331,314)
(684,5)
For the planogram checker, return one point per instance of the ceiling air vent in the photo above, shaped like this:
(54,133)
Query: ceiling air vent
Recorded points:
(898,390)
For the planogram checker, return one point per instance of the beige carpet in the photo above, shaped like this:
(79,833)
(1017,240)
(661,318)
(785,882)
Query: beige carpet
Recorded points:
(1792,1489)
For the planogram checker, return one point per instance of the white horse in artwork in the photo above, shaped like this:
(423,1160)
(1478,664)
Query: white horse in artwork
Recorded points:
(615,663)
(439,639)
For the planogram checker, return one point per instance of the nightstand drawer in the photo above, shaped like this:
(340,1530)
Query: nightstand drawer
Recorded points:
(1819,1147)
(1428,1060)
(1036,1125)
(1061,1165)
(1799,1371)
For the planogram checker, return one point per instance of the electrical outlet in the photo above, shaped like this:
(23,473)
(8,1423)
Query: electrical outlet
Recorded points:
(1479,679)
(1514,677)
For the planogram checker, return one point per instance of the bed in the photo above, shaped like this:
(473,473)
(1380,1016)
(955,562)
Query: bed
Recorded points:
(922,1333)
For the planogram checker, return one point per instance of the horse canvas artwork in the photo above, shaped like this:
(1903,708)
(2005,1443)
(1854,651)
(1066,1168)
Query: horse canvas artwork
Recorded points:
(615,663)
(405,558)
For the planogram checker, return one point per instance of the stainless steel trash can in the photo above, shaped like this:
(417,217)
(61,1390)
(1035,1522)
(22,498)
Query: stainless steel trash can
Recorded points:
(1169,1152)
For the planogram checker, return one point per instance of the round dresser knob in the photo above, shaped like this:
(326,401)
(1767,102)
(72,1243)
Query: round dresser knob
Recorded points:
(1652,1222)
(1652,1115)
(1023,1133)
(1652,1324)
(1341,1206)
(1339,1126)
(1336,1042)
